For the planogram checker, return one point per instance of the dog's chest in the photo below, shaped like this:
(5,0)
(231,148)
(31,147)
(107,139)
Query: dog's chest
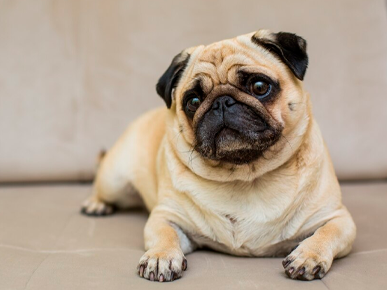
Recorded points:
(242,235)
(243,223)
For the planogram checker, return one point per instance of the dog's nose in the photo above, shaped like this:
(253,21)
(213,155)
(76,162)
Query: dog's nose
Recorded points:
(223,102)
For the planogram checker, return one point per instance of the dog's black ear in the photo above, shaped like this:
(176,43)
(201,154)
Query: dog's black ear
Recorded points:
(289,47)
(169,80)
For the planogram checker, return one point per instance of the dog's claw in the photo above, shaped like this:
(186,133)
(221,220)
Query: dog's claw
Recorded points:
(185,264)
(301,271)
(286,263)
(141,271)
(316,270)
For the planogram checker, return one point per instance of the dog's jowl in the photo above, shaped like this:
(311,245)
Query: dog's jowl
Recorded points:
(235,162)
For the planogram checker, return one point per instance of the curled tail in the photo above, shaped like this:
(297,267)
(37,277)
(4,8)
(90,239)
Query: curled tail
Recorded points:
(100,157)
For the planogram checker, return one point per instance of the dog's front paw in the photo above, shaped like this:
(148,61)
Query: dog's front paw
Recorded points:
(162,265)
(307,262)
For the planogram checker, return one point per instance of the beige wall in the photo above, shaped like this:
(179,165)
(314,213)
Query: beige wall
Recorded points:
(74,73)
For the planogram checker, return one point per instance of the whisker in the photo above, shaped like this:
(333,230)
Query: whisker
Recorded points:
(232,170)
(190,158)
(250,171)
(288,143)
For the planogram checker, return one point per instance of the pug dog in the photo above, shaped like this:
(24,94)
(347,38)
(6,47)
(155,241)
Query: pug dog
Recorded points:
(235,162)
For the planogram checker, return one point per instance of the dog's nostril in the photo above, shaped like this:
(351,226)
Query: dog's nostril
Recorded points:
(229,101)
(216,105)
(224,101)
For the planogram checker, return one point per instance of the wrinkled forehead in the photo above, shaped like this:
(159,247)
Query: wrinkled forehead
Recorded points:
(220,62)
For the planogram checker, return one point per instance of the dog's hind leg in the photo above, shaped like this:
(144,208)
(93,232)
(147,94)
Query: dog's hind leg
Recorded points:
(127,173)
(112,189)
(105,204)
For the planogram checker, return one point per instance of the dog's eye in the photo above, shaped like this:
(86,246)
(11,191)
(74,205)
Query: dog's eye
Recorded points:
(192,105)
(260,88)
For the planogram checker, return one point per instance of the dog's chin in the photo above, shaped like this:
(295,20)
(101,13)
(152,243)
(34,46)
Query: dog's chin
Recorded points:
(240,156)
(231,146)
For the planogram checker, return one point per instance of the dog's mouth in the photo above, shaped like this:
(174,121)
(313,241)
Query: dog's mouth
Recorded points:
(235,147)
(235,138)
(230,147)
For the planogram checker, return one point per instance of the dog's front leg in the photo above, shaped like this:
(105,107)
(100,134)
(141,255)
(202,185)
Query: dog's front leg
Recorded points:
(166,245)
(314,256)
